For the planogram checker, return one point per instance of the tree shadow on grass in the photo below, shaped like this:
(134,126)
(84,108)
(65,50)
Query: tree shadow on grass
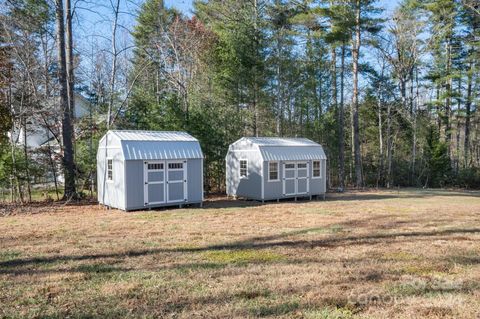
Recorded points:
(219,202)
(403,193)
(266,242)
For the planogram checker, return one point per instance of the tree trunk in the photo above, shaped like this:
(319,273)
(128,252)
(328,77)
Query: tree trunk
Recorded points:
(113,73)
(457,125)
(25,154)
(69,52)
(341,122)
(334,78)
(448,88)
(355,106)
(54,169)
(68,164)
(255,75)
(414,144)
(468,107)
(403,92)
(380,140)
(389,145)
(279,87)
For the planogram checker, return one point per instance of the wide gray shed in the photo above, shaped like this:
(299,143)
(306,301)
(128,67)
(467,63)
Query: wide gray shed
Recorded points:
(267,168)
(144,169)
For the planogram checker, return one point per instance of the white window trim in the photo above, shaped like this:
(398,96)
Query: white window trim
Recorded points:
(313,169)
(176,169)
(106,168)
(240,168)
(278,171)
(155,169)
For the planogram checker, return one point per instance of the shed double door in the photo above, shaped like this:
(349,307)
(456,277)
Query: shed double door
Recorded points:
(295,178)
(165,182)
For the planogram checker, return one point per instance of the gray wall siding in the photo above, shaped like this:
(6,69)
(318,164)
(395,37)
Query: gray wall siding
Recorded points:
(195,180)
(134,185)
(274,190)
(251,186)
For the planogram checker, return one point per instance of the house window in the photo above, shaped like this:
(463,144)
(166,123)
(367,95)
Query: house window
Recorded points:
(175,165)
(290,166)
(243,168)
(109,169)
(273,171)
(316,169)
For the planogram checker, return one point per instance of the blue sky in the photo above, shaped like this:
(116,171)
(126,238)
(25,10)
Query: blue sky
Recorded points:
(94,17)
(186,5)
(94,27)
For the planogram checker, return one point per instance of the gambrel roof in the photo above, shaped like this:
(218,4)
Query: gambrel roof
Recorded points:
(153,145)
(281,149)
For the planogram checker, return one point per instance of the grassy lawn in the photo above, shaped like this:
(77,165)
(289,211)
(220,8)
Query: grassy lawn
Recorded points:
(400,254)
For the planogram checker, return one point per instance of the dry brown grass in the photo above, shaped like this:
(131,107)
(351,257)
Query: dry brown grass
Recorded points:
(401,254)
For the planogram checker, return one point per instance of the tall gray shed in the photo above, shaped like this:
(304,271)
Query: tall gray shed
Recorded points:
(144,169)
(266,168)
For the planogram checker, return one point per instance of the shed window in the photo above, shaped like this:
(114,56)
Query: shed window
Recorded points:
(109,169)
(316,169)
(273,171)
(175,165)
(243,168)
(155,166)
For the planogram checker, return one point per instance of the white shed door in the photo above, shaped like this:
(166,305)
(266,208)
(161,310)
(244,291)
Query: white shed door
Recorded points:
(154,177)
(289,179)
(176,181)
(302,178)
(295,178)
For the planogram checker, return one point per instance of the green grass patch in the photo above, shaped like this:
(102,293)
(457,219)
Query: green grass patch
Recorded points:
(429,287)
(7,255)
(152,215)
(284,308)
(243,256)
(325,230)
(317,210)
(328,313)
(96,268)
(422,270)
(400,256)
(253,292)
(187,268)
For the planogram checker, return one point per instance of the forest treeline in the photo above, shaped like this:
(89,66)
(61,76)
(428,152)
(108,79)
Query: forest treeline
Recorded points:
(392,96)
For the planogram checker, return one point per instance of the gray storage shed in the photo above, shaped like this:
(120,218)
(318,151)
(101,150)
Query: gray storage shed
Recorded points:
(267,168)
(144,169)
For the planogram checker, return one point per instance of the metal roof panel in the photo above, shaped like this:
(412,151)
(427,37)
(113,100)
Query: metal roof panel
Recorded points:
(157,145)
(292,153)
(280,141)
(167,136)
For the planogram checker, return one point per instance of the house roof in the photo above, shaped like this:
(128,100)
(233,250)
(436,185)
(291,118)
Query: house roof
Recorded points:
(282,149)
(156,145)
